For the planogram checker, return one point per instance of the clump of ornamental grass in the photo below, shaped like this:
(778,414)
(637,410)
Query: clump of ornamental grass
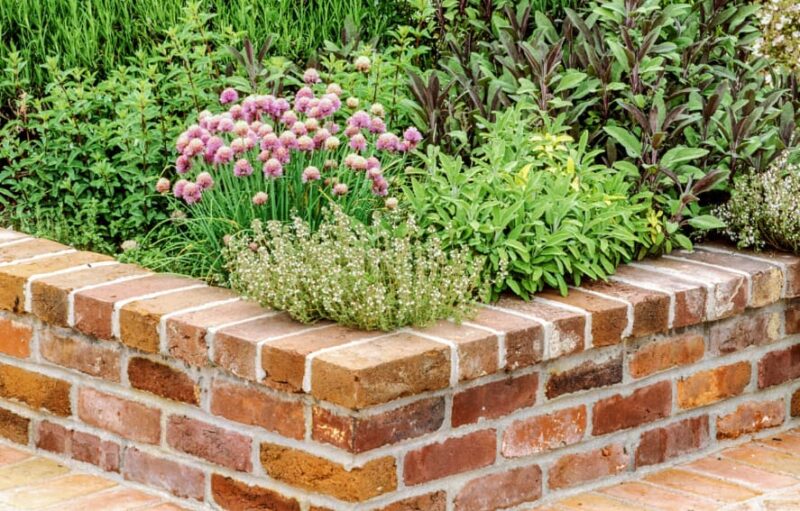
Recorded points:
(377,277)
(780,32)
(764,208)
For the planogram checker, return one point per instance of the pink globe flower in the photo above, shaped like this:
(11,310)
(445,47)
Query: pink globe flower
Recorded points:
(299,128)
(387,142)
(334,88)
(311,76)
(352,102)
(192,193)
(225,125)
(237,112)
(242,168)
(380,186)
(412,136)
(363,64)
(238,145)
(183,164)
(273,168)
(241,128)
(288,139)
(182,142)
(332,143)
(311,125)
(163,185)
(355,162)
(260,198)
(350,131)
(305,143)
(358,142)
(340,189)
(373,163)
(194,147)
(377,110)
(376,125)
(311,174)
(374,173)
(264,130)
(282,154)
(359,119)
(264,155)
(270,141)
(177,190)
(228,95)
(289,118)
(305,92)
(204,181)
(223,155)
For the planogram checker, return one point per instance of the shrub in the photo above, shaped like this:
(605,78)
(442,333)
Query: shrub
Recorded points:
(536,206)
(764,209)
(380,277)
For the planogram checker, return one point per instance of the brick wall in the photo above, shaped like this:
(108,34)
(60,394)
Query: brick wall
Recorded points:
(185,388)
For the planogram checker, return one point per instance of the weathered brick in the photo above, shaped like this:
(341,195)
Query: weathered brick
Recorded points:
(574,469)
(501,490)
(159,472)
(13,278)
(92,449)
(94,307)
(32,248)
(698,484)
(284,360)
(50,295)
(524,338)
(35,390)
(436,501)
(706,387)
(14,427)
(254,407)
(793,317)
(609,317)
(357,377)
(162,380)
(544,432)
(771,460)
(587,375)
(453,456)
(53,437)
(236,347)
(223,447)
(92,358)
(736,334)
(779,367)
(664,354)
(493,400)
(363,433)
(661,444)
(15,338)
(186,333)
(477,349)
(569,328)
(722,468)
(640,407)
(304,470)
(650,308)
(689,297)
(795,404)
(751,417)
(126,418)
(642,494)
(233,495)
(790,264)
(139,321)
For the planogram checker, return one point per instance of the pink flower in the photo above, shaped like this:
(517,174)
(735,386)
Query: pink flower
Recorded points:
(331,143)
(332,127)
(260,198)
(183,164)
(163,185)
(301,104)
(229,95)
(387,142)
(377,109)
(241,128)
(350,131)
(182,142)
(340,189)
(333,88)
(355,162)
(325,107)
(242,167)
(358,142)
(195,147)
(373,163)
(391,203)
(282,154)
(223,155)
(238,145)
(412,136)
(288,139)
(264,130)
(273,168)
(305,92)
(374,173)
(225,124)
(352,102)
(363,64)
(359,119)
(311,76)
(264,155)
(299,128)
(311,125)
(270,141)
(305,143)
(279,106)
(204,180)
(177,190)
(376,125)
(192,193)
(380,186)
(237,112)
(310,174)
(289,117)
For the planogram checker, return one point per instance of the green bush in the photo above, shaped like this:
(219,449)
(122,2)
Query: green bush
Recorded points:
(380,277)
(536,206)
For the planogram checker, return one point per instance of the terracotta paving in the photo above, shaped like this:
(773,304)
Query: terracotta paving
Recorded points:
(762,475)
(29,482)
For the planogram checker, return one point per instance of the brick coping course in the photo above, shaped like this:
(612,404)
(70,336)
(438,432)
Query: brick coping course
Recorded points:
(142,373)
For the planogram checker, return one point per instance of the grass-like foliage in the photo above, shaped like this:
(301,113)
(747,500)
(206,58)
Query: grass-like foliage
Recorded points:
(380,277)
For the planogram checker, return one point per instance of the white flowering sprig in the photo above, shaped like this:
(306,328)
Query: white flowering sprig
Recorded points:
(780,32)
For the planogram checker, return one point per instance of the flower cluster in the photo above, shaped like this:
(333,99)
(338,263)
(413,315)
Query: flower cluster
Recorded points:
(287,135)
(764,209)
(780,32)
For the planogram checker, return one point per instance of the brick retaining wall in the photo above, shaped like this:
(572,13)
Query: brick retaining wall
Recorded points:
(185,388)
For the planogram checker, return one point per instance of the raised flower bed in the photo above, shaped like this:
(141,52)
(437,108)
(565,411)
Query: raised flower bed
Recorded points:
(188,389)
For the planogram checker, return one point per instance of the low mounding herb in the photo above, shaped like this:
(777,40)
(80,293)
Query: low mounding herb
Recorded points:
(537,207)
(376,278)
(780,29)
(764,209)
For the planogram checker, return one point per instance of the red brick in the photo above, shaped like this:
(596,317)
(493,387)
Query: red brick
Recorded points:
(793,317)
(790,264)
(453,456)
(92,449)
(650,308)
(795,404)
(158,472)
(524,338)
(52,437)
(493,400)
(717,466)
(544,432)
(223,447)
(569,328)
(127,419)
(587,375)
(661,444)
(574,469)
(736,334)
(15,338)
(233,495)
(477,349)
(501,490)
(162,380)
(706,387)
(254,407)
(642,406)
(94,307)
(436,501)
(698,484)
(32,248)
(609,317)
(186,333)
(14,427)
(689,297)
(35,390)
(92,358)
(751,417)
(779,367)
(363,433)
(664,354)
